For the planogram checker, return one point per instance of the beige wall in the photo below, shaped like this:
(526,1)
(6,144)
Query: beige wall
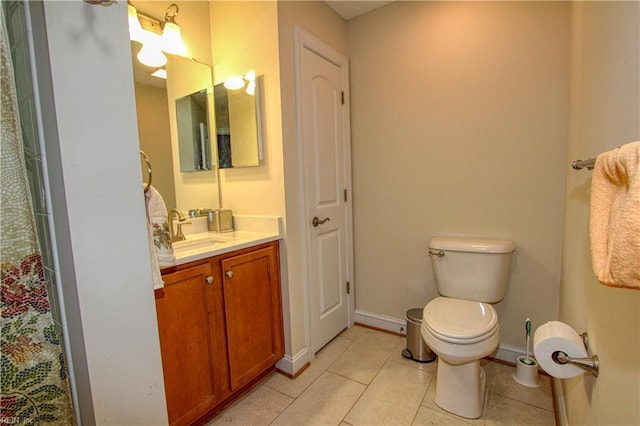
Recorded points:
(604,113)
(155,138)
(459,122)
(245,37)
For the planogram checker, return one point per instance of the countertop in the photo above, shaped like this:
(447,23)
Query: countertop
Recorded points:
(250,231)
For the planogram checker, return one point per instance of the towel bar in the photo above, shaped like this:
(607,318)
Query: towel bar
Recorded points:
(146,184)
(581,164)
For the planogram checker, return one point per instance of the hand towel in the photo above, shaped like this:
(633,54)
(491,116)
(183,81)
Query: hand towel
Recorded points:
(159,238)
(615,217)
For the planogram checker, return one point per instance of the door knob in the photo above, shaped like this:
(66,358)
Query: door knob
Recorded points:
(229,274)
(209,279)
(315,222)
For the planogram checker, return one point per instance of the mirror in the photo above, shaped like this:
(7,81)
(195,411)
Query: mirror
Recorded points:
(193,132)
(157,109)
(238,126)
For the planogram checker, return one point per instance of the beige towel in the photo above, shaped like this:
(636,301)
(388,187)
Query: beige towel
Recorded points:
(615,217)
(160,245)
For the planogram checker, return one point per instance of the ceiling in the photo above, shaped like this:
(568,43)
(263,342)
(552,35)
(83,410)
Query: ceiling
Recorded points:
(352,8)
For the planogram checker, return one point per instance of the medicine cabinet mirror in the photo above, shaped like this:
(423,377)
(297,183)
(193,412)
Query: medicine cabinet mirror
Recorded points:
(193,132)
(238,125)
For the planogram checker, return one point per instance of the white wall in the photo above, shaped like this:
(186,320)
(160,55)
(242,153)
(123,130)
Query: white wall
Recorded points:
(459,122)
(604,113)
(107,260)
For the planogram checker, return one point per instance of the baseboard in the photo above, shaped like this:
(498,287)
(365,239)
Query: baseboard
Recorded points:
(382,322)
(509,353)
(290,365)
(394,325)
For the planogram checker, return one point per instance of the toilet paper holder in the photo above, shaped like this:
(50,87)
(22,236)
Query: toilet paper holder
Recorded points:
(590,364)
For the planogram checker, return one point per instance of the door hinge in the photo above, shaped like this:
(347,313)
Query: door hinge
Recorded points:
(342,96)
(345,196)
(348,287)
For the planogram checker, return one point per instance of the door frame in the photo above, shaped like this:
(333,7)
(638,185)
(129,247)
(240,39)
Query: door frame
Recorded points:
(305,40)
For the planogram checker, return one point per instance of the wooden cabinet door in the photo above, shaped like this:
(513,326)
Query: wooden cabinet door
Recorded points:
(188,322)
(253,312)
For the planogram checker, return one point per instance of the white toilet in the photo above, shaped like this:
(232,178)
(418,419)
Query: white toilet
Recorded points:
(461,326)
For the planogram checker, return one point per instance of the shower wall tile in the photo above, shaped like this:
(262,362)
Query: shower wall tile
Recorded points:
(17,31)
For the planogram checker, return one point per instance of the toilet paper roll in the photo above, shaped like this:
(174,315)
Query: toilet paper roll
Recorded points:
(558,336)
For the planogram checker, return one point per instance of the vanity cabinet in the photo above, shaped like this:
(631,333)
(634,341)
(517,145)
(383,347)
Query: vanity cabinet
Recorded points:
(220,325)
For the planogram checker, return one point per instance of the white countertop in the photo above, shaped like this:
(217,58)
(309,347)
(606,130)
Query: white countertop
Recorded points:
(251,231)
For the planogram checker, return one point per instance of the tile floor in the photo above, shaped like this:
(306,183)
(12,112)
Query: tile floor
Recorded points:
(361,378)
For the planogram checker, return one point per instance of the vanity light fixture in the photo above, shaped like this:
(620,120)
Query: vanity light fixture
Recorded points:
(171,40)
(234,83)
(136,33)
(238,82)
(156,37)
(151,55)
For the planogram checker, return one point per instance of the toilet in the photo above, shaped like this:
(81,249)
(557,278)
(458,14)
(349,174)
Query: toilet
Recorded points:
(460,325)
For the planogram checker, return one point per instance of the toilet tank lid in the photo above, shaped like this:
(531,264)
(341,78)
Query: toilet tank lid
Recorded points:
(480,245)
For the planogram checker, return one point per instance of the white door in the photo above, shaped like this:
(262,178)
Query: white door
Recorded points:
(324,130)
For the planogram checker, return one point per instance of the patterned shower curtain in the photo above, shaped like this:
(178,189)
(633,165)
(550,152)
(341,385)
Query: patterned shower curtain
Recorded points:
(34,383)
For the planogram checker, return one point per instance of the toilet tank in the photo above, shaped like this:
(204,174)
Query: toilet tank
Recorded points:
(471,268)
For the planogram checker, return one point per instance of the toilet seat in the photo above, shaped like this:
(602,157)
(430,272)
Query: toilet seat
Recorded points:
(460,321)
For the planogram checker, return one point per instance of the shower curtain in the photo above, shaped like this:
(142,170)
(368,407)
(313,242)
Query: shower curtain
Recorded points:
(34,383)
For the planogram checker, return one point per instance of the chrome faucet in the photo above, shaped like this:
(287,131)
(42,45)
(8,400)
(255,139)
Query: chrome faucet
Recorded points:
(178,235)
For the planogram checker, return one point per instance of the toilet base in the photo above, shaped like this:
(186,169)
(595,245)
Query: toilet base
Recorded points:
(460,388)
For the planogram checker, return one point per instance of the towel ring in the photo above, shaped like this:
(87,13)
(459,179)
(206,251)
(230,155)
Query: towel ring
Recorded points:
(146,184)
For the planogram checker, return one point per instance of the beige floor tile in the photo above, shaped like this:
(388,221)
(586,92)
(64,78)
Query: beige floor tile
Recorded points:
(505,411)
(294,387)
(503,384)
(324,358)
(333,391)
(260,407)
(427,416)
(393,398)
(366,356)
(325,402)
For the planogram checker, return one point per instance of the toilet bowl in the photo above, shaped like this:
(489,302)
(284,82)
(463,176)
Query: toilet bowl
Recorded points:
(461,326)
(460,332)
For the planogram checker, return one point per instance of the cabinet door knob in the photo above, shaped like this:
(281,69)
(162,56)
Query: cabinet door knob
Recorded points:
(209,279)
(229,274)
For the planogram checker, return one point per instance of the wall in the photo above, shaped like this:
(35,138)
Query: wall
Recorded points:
(459,123)
(320,20)
(604,113)
(155,137)
(92,152)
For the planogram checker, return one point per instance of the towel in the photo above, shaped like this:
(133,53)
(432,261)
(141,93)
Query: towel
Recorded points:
(615,217)
(160,246)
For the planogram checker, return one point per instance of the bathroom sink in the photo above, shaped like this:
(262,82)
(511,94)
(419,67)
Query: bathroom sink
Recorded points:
(201,243)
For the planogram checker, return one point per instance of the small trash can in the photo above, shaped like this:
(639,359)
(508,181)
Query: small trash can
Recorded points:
(417,349)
